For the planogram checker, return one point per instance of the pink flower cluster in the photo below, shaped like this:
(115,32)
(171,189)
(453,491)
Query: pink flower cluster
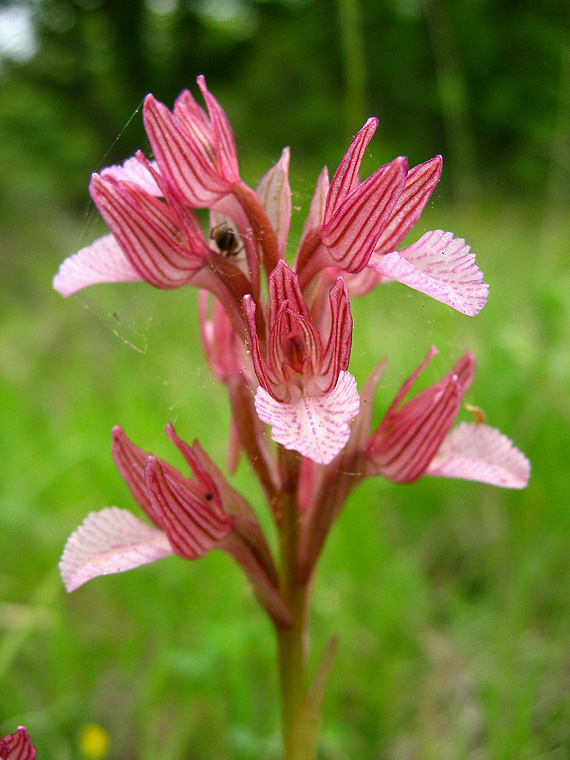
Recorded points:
(284,358)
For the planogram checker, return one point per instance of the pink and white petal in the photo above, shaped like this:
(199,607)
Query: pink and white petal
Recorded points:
(440,266)
(315,426)
(17,746)
(134,171)
(274,192)
(482,453)
(110,541)
(102,261)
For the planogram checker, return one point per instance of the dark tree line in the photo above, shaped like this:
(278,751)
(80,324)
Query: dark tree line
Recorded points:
(483,81)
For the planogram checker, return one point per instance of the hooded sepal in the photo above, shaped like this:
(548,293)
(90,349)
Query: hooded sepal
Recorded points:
(165,252)
(196,154)
(410,435)
(357,213)
(420,184)
(17,746)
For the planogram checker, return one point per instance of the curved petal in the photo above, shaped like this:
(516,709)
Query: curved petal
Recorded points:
(337,353)
(316,213)
(346,176)
(350,234)
(187,164)
(149,233)
(315,426)
(134,171)
(284,286)
(223,134)
(17,746)
(407,440)
(483,453)
(193,519)
(420,184)
(440,266)
(110,541)
(102,261)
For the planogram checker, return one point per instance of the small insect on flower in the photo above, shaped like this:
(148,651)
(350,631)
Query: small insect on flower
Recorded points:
(226,239)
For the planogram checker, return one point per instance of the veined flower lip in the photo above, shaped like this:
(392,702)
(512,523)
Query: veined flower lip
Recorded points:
(305,392)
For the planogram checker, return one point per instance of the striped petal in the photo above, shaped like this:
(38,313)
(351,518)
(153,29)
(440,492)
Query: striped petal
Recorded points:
(149,233)
(134,171)
(102,261)
(187,164)
(407,440)
(351,232)
(440,266)
(17,746)
(315,426)
(222,133)
(193,519)
(482,453)
(110,541)
(420,183)
(345,178)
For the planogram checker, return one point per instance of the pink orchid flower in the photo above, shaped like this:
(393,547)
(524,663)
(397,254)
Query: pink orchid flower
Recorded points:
(360,224)
(17,746)
(413,439)
(190,518)
(305,392)
(196,152)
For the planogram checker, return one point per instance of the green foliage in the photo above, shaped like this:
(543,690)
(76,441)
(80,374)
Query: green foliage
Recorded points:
(482,82)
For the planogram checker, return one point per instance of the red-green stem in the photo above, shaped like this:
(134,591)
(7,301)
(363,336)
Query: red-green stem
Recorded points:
(291,640)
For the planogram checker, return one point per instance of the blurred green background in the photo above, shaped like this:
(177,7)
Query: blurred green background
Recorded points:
(452,599)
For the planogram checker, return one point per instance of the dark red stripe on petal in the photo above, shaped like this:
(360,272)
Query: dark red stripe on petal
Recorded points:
(194,523)
(406,443)
(420,183)
(346,176)
(17,746)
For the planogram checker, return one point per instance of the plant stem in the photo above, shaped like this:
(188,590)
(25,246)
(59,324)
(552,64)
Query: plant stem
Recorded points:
(291,641)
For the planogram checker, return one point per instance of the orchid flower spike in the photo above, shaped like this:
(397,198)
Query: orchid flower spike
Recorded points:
(305,392)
